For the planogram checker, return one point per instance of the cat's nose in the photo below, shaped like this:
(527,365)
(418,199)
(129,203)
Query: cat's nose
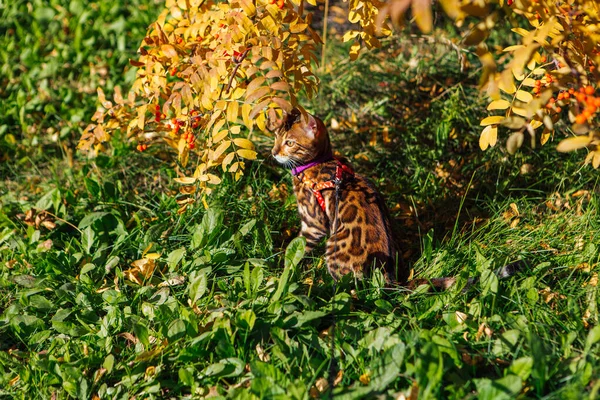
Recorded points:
(273,152)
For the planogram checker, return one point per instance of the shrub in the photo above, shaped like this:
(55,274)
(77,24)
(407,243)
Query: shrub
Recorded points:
(210,73)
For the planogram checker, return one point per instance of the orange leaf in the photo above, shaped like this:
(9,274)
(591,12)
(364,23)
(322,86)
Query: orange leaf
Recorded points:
(421,10)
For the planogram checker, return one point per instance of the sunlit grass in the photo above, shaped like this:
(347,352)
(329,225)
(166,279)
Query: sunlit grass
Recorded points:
(126,297)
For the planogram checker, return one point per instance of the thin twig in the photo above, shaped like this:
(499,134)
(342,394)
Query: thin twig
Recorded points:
(325,17)
(60,219)
(238,63)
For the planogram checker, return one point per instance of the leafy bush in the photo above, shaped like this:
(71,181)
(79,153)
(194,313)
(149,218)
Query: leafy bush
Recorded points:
(212,71)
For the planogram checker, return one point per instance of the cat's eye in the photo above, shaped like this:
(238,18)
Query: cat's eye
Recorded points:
(289,143)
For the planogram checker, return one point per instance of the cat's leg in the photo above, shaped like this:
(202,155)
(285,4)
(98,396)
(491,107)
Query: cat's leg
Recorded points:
(341,256)
(313,232)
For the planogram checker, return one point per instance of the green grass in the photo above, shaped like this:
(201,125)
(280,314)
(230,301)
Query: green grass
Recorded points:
(234,308)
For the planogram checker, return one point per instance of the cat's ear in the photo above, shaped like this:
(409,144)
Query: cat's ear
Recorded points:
(312,126)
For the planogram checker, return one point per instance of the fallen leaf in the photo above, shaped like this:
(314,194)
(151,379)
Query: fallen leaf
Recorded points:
(175,281)
(365,378)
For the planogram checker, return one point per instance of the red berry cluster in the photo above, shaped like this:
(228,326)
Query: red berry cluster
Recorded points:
(142,147)
(590,103)
(190,139)
(158,116)
(280,3)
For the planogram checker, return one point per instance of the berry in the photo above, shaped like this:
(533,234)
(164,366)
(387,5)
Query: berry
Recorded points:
(543,59)
(589,90)
(580,119)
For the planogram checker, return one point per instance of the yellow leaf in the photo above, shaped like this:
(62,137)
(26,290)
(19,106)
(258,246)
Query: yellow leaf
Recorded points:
(243,143)
(354,50)
(227,160)
(536,124)
(514,122)
(573,143)
(232,111)
(184,156)
(596,159)
(365,378)
(521,31)
(524,96)
(213,179)
(520,111)
(220,136)
(141,119)
(421,10)
(168,50)
(247,154)
(218,125)
(451,7)
(514,142)
(507,85)
(492,120)
(261,122)
(350,35)
(545,136)
(255,84)
(248,7)
(498,105)
(221,149)
(246,108)
(257,94)
(238,93)
(185,180)
(297,28)
(488,137)
(513,48)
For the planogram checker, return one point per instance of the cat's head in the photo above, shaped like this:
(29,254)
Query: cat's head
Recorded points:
(301,139)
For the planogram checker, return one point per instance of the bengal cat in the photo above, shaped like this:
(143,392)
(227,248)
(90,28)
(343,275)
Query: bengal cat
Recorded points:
(359,230)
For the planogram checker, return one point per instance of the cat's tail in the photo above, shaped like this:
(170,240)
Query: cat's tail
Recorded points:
(447,282)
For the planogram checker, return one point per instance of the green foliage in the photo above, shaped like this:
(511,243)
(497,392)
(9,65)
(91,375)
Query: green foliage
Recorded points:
(54,54)
(108,291)
(219,315)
